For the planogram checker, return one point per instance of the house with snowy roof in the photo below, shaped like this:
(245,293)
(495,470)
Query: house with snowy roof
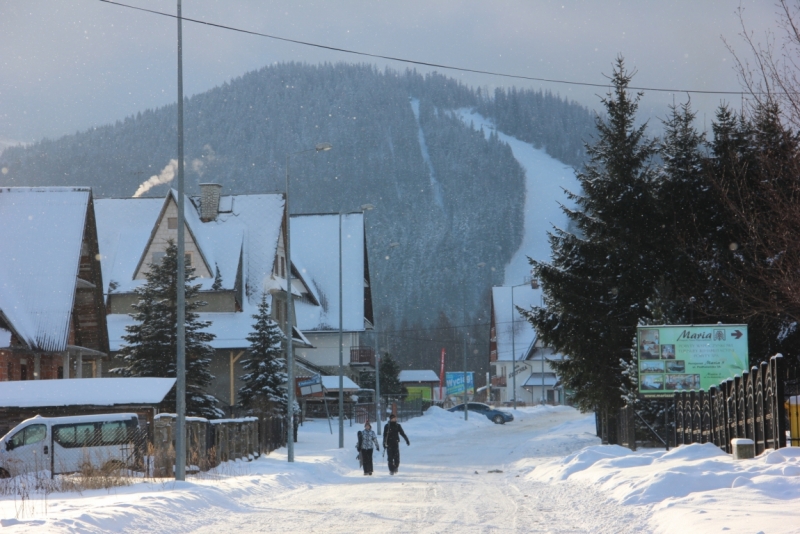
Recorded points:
(419,383)
(320,244)
(52,314)
(236,245)
(516,354)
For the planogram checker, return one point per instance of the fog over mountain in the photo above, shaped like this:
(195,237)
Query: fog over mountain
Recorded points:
(446,195)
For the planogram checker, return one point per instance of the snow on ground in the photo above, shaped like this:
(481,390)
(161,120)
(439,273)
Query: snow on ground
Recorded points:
(546,178)
(543,472)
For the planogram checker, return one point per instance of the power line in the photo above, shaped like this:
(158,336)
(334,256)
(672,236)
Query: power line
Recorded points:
(417,62)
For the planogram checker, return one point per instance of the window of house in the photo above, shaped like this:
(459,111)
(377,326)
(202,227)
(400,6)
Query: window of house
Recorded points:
(158,257)
(23,372)
(187,259)
(10,371)
(172,223)
(283,267)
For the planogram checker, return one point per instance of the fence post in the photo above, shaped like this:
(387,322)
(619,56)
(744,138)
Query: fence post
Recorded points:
(780,419)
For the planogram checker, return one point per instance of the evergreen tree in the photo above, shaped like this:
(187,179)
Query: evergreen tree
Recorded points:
(390,372)
(150,348)
(601,276)
(265,379)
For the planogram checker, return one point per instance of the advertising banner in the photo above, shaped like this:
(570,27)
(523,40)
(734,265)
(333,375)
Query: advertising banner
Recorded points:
(683,358)
(455,384)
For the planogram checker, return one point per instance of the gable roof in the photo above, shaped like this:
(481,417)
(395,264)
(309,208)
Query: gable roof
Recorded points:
(249,230)
(315,255)
(43,230)
(191,220)
(524,334)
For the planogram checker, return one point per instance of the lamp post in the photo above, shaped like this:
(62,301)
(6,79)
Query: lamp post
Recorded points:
(364,209)
(513,344)
(180,297)
(321,147)
(341,342)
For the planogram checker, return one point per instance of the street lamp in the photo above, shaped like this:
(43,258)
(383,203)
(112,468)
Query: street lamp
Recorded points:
(513,344)
(321,147)
(365,208)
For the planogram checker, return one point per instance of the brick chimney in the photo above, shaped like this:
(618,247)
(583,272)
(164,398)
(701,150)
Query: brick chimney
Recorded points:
(209,201)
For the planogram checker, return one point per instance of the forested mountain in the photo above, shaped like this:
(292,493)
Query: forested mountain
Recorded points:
(447,194)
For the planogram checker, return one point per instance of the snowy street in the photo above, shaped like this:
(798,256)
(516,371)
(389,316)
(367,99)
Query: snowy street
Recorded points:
(554,477)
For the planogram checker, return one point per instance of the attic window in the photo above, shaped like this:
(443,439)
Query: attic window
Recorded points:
(172,223)
(158,257)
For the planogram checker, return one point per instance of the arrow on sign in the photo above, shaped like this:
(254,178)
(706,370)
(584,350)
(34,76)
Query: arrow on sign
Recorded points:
(737,334)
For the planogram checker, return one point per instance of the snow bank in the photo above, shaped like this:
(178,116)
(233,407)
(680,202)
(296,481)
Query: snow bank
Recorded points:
(688,479)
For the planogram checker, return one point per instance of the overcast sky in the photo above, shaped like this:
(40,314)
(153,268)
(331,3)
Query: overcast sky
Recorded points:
(68,65)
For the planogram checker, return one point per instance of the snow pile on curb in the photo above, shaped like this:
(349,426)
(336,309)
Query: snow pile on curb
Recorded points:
(691,479)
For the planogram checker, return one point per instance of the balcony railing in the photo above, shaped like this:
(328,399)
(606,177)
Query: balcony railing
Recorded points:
(362,356)
(498,381)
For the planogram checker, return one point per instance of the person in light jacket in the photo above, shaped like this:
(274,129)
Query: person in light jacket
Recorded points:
(391,442)
(366,440)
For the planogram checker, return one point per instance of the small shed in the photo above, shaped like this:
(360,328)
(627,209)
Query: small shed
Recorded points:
(20,400)
(419,383)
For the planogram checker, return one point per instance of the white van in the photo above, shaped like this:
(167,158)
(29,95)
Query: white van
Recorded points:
(69,444)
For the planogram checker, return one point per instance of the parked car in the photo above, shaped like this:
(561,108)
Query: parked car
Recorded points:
(497,416)
(68,444)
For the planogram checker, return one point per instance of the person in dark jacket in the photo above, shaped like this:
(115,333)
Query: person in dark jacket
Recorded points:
(366,440)
(391,442)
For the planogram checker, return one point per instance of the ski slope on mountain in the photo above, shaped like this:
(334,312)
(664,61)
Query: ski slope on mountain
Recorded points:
(546,180)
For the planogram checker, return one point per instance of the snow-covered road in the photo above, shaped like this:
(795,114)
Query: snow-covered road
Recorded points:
(445,484)
(543,472)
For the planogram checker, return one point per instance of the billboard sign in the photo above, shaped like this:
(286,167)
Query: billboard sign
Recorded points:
(682,358)
(455,384)
(310,386)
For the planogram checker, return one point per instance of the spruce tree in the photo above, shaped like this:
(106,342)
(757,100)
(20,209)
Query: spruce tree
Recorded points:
(602,274)
(265,378)
(389,376)
(150,348)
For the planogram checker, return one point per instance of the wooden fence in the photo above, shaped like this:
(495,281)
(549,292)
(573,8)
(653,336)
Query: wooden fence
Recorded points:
(747,406)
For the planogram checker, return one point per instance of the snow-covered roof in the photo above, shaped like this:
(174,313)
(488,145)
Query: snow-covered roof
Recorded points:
(524,335)
(247,225)
(230,329)
(315,254)
(41,245)
(415,375)
(84,391)
(331,383)
(251,228)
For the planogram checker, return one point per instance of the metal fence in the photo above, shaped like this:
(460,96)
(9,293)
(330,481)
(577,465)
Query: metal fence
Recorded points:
(747,406)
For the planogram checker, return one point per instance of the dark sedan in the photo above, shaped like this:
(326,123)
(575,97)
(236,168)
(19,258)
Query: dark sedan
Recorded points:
(499,417)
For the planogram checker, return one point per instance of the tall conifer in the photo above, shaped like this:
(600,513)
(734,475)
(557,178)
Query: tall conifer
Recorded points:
(150,348)
(265,378)
(602,274)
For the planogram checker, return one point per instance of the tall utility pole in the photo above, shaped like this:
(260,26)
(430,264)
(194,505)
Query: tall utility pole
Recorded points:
(514,352)
(466,412)
(290,383)
(341,344)
(180,388)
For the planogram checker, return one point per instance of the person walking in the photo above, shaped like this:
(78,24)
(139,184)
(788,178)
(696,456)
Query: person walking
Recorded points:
(391,442)
(367,439)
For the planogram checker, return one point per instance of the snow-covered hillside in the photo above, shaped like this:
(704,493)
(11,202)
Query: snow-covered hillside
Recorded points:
(546,180)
